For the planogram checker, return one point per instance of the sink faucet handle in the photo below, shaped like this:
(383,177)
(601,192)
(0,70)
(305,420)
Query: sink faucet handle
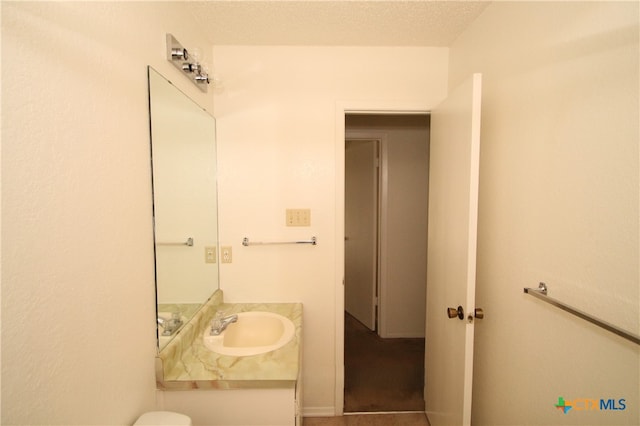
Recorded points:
(220,322)
(216,322)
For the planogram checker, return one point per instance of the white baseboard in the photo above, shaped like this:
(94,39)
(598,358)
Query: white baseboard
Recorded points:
(318,411)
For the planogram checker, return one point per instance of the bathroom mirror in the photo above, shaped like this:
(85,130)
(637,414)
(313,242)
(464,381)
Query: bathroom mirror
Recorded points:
(183,159)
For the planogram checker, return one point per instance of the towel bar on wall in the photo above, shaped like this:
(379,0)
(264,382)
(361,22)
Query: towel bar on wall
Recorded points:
(541,293)
(245,242)
(189,243)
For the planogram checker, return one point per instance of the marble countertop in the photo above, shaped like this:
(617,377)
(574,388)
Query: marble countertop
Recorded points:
(187,364)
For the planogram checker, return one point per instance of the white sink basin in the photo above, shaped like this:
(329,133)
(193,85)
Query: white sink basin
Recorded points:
(254,333)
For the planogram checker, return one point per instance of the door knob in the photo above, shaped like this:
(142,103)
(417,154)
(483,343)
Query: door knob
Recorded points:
(453,312)
(478,313)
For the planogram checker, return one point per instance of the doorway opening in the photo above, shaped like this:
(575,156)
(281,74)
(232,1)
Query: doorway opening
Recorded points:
(386,211)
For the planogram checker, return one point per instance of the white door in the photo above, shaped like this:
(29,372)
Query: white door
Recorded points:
(361,229)
(451,254)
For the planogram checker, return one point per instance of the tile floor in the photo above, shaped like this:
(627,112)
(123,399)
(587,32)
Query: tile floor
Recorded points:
(395,419)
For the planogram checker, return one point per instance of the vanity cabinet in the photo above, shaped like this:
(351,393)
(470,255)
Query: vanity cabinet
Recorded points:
(215,389)
(236,407)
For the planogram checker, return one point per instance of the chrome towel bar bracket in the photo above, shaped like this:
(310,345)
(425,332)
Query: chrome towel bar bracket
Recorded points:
(541,293)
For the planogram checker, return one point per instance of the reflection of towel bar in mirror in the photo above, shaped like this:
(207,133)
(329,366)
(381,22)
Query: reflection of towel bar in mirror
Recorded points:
(245,242)
(541,293)
(189,243)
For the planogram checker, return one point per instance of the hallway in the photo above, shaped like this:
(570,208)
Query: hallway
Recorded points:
(381,374)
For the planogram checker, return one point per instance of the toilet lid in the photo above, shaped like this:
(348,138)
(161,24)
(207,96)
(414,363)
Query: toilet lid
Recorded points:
(163,418)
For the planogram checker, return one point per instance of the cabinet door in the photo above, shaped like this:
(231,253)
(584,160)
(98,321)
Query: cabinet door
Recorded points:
(237,407)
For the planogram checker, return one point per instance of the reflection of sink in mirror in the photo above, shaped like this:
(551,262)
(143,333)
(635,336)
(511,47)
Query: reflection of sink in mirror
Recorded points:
(254,333)
(164,338)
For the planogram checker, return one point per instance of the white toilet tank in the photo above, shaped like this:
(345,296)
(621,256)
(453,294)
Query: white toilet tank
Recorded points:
(163,418)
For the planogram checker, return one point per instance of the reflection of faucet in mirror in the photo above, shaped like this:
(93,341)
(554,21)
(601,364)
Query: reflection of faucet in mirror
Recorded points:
(183,150)
(170,326)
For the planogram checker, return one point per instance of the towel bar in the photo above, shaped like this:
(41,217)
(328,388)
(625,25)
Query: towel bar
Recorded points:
(189,243)
(245,242)
(541,293)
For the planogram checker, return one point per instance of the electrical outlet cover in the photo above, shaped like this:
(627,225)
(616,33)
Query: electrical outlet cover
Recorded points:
(226,254)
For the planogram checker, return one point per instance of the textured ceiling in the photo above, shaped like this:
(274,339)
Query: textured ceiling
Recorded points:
(334,23)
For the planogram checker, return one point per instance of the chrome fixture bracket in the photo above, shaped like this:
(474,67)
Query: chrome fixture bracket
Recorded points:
(179,57)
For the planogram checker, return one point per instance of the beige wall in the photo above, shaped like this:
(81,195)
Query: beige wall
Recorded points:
(78,307)
(277,146)
(558,203)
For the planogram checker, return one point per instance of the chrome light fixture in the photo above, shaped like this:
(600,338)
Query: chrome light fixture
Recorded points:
(188,64)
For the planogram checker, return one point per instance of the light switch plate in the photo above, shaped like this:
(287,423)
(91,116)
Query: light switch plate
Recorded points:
(298,217)
(210,254)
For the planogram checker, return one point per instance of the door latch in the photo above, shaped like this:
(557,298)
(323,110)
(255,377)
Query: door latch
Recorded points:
(459,313)
(477,313)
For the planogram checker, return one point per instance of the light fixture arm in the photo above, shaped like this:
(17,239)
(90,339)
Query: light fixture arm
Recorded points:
(179,56)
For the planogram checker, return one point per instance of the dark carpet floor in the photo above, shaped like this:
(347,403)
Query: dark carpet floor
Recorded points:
(381,374)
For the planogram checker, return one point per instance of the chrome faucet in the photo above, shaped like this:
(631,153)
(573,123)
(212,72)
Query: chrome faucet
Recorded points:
(220,323)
